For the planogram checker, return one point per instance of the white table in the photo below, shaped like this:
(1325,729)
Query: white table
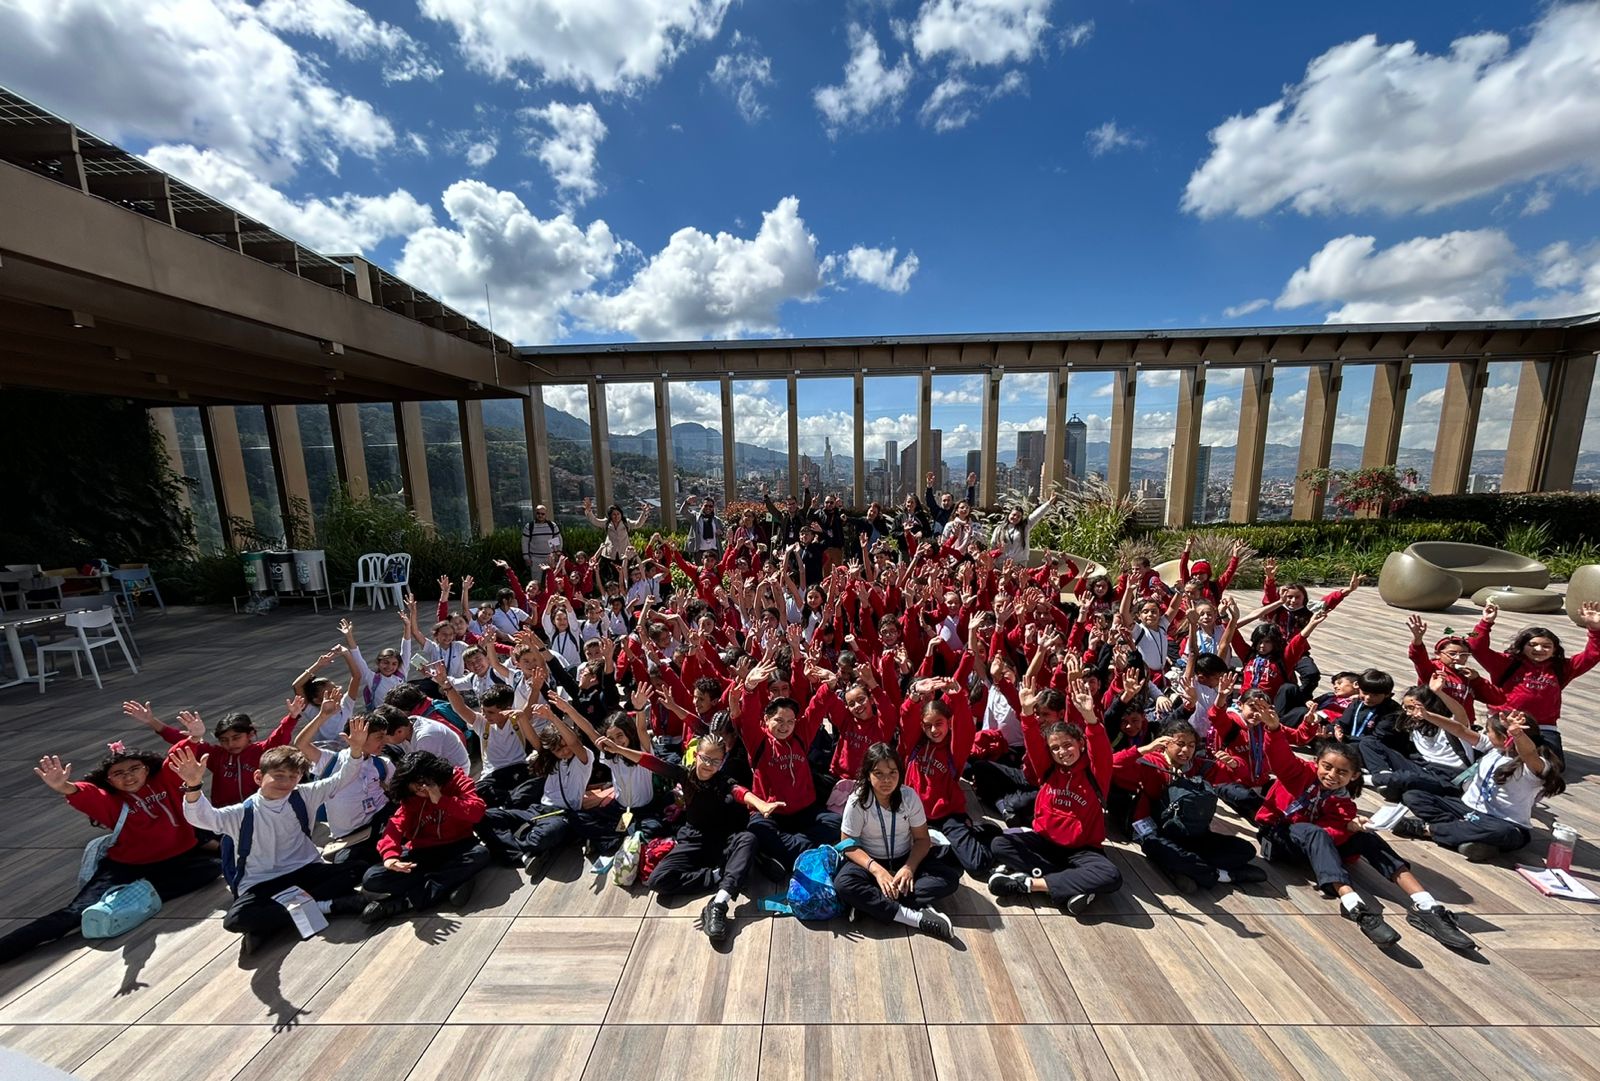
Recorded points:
(14,643)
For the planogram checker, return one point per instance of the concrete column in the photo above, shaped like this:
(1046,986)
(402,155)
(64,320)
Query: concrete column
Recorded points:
(166,426)
(1055,429)
(227,467)
(665,471)
(475,463)
(990,438)
(349,449)
(1530,426)
(1185,438)
(600,447)
(538,440)
(1458,425)
(1316,437)
(1386,413)
(925,459)
(1566,426)
(289,463)
(858,444)
(730,480)
(413,460)
(794,437)
(1123,393)
(1255,405)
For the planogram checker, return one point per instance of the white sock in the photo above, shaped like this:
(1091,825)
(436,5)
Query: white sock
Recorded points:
(723,897)
(1223,876)
(908,916)
(1351,901)
(1423,901)
(325,907)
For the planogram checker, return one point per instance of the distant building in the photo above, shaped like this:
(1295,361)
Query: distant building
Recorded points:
(891,471)
(1030,456)
(1202,474)
(1077,448)
(974,464)
(827,461)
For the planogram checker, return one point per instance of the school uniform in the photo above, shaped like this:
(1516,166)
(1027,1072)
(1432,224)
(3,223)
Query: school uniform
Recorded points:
(558,819)
(438,838)
(505,765)
(233,776)
(1149,777)
(281,854)
(357,805)
(933,771)
(635,788)
(885,835)
(713,849)
(1439,759)
(1534,688)
(1374,728)
(781,771)
(374,687)
(1486,811)
(437,738)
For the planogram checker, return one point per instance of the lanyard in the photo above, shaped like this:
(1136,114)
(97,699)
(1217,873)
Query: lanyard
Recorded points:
(1359,725)
(894,827)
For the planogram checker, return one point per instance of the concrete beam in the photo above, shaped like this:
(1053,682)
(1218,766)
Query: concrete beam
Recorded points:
(413,460)
(349,449)
(925,460)
(1124,389)
(1385,413)
(538,444)
(990,436)
(1185,440)
(1255,406)
(1458,425)
(1323,383)
(794,437)
(665,470)
(1566,426)
(1530,426)
(166,426)
(600,447)
(858,442)
(1055,429)
(475,463)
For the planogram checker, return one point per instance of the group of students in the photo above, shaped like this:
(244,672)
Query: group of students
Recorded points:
(776,699)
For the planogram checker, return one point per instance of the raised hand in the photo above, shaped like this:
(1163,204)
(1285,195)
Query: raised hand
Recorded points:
(502,564)
(293,707)
(1491,612)
(141,712)
(641,696)
(191,769)
(347,628)
(444,585)
(356,738)
(1418,628)
(54,774)
(192,724)
(1271,566)
(467,582)
(1590,615)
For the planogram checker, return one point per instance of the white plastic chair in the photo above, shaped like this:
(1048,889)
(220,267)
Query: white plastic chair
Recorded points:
(133,582)
(98,601)
(397,590)
(369,576)
(100,620)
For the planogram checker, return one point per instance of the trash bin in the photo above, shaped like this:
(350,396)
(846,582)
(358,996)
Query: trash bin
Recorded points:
(310,570)
(255,571)
(280,572)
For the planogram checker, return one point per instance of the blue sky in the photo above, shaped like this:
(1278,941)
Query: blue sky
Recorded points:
(705,168)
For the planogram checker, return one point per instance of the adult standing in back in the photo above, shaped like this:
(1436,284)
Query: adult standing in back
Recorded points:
(541,542)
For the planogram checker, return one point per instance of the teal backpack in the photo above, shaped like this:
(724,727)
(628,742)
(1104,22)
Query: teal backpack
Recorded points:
(811,895)
(120,910)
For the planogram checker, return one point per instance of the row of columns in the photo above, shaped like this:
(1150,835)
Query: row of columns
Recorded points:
(1549,413)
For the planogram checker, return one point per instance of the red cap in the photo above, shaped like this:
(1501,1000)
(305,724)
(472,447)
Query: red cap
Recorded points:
(1200,566)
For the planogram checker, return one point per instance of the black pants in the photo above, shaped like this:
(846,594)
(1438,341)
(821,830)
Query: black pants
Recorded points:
(440,869)
(936,877)
(1067,872)
(1395,774)
(784,837)
(968,844)
(1377,755)
(699,863)
(994,779)
(1306,842)
(1549,736)
(498,788)
(1244,800)
(173,877)
(501,829)
(254,912)
(1454,823)
(1198,857)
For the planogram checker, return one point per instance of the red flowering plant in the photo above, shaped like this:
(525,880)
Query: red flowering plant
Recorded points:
(1370,492)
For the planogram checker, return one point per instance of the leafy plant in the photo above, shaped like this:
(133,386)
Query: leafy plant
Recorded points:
(1090,520)
(1531,539)
(1373,491)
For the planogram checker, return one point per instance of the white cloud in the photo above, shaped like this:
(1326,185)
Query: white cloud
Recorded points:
(1109,137)
(482,152)
(868,86)
(974,32)
(1246,308)
(603,45)
(1077,34)
(702,285)
(570,148)
(955,102)
(874,266)
(742,75)
(207,72)
(343,223)
(1459,275)
(354,33)
(1539,200)
(1396,129)
(536,268)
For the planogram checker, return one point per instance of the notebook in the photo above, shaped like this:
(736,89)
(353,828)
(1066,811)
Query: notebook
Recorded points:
(1553,883)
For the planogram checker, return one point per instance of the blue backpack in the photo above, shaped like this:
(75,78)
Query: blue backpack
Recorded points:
(120,910)
(811,895)
(234,857)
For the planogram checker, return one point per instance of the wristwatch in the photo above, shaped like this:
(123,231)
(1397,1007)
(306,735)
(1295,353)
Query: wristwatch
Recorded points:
(193,787)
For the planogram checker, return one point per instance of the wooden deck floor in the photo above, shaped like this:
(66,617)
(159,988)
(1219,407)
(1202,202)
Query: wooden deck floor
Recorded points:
(567,980)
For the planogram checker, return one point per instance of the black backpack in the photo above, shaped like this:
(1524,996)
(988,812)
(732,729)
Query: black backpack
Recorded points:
(1187,808)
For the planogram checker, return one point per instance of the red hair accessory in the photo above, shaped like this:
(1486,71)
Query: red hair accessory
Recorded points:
(1200,566)
(117,747)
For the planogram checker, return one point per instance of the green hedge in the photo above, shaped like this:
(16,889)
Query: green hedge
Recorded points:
(1572,518)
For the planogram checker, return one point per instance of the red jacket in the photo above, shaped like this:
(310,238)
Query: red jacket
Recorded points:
(933,771)
(233,776)
(1246,745)
(781,767)
(1297,780)
(1468,691)
(1068,810)
(155,830)
(1261,673)
(1148,776)
(1535,689)
(853,739)
(421,823)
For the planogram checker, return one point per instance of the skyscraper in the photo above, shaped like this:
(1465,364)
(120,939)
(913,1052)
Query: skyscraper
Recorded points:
(1077,447)
(1030,456)
(974,464)
(891,470)
(827,461)
(1202,474)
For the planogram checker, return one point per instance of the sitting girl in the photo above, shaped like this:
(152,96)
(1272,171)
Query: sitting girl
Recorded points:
(538,834)
(1491,815)
(1532,672)
(935,742)
(1063,850)
(892,873)
(640,806)
(428,849)
(137,796)
(1442,739)
(1310,815)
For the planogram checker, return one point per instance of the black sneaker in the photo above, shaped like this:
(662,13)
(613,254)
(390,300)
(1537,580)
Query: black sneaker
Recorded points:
(351,904)
(384,908)
(1250,872)
(772,869)
(1079,903)
(1372,925)
(1440,923)
(251,943)
(460,895)
(1478,851)
(1009,884)
(937,924)
(1183,883)
(534,864)
(1414,828)
(714,920)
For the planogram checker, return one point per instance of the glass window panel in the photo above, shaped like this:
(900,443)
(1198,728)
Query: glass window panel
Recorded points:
(827,435)
(261,479)
(1155,424)
(197,474)
(631,430)
(889,432)
(1419,428)
(1088,443)
(1286,421)
(566,422)
(1020,441)
(1349,430)
(1494,427)
(505,440)
(381,447)
(957,419)
(1219,443)
(761,436)
(316,445)
(447,475)
(697,438)
(1586,478)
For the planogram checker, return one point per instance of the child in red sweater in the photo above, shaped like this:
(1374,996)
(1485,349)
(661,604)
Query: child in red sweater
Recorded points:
(137,795)
(1533,671)
(429,849)
(778,741)
(936,734)
(234,759)
(1310,815)
(1062,854)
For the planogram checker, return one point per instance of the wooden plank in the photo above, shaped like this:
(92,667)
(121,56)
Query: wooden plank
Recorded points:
(1019,1053)
(827,1052)
(1537,1054)
(999,971)
(66,1047)
(1217,1053)
(208,1052)
(550,970)
(441,955)
(1377,1053)
(346,1052)
(726,985)
(507,1053)
(859,973)
(569,888)
(646,1052)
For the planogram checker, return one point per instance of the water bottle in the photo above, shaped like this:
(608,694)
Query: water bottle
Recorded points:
(1563,839)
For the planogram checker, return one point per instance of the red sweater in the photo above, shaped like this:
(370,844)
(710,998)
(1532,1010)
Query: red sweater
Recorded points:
(420,823)
(781,767)
(155,830)
(850,751)
(1297,788)
(1261,674)
(1468,691)
(933,771)
(1068,811)
(1535,689)
(1148,776)
(233,776)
